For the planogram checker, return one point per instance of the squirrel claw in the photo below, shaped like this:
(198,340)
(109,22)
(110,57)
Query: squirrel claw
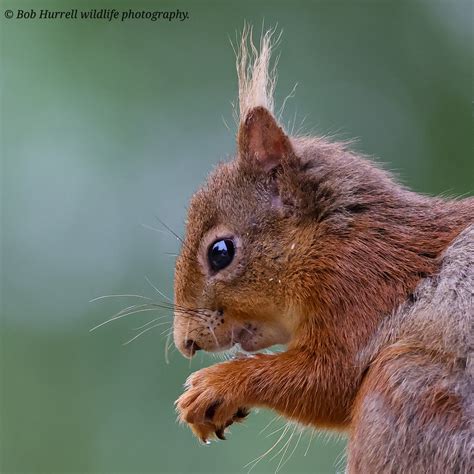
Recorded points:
(220,434)
(207,407)
(241,413)
(211,410)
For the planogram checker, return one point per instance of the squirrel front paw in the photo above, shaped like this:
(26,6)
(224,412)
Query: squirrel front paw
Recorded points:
(208,406)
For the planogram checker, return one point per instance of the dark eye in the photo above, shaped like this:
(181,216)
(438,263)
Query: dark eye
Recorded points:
(220,254)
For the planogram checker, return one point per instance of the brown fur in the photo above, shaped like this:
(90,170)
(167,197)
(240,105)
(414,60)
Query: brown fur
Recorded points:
(331,256)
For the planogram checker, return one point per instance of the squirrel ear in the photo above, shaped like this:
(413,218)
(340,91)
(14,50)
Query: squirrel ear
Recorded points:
(261,141)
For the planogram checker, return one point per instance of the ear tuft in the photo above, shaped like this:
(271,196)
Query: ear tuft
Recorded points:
(262,142)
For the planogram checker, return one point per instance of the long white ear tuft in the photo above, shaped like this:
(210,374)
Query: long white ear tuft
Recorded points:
(256,78)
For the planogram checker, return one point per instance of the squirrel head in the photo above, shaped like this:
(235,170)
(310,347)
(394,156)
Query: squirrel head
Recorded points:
(228,279)
(249,261)
(298,239)
(239,237)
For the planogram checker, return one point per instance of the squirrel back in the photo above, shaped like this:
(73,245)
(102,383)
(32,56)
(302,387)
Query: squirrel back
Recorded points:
(416,401)
(440,312)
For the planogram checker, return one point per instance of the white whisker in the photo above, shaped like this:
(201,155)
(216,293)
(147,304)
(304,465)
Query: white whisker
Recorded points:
(309,444)
(148,323)
(253,463)
(167,347)
(119,296)
(143,332)
(215,338)
(294,449)
(284,447)
(157,290)
(121,315)
(275,431)
(149,227)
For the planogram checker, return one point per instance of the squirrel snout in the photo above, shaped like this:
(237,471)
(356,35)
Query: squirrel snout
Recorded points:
(190,347)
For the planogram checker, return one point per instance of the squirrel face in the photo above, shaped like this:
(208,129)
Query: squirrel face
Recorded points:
(229,280)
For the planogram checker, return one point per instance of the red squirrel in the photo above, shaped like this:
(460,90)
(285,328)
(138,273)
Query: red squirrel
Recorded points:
(300,241)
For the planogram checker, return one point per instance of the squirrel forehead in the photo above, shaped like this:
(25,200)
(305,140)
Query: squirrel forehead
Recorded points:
(231,195)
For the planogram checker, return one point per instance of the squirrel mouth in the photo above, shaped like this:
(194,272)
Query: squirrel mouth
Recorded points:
(246,338)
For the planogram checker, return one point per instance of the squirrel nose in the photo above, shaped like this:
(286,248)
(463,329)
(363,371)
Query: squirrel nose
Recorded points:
(191,347)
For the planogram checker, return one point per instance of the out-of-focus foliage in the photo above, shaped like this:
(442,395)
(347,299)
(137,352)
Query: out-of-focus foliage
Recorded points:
(106,125)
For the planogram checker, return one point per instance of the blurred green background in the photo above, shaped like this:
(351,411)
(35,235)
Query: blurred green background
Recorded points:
(106,125)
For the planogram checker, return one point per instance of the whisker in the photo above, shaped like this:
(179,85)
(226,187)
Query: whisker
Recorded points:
(188,311)
(157,290)
(269,424)
(143,332)
(341,460)
(274,432)
(215,338)
(200,314)
(191,315)
(284,448)
(119,296)
(172,306)
(148,323)
(168,330)
(294,449)
(309,444)
(119,316)
(185,314)
(134,306)
(149,227)
(253,463)
(167,347)
(176,255)
(169,229)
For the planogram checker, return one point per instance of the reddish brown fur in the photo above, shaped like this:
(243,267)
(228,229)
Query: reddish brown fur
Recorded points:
(329,247)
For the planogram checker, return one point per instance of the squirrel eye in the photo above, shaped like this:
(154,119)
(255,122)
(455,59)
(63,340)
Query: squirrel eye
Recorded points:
(221,254)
